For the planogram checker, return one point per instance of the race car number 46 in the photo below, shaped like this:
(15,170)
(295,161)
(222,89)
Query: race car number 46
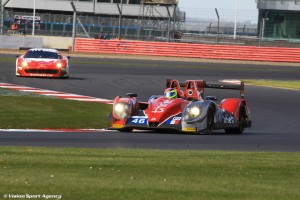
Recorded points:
(138,121)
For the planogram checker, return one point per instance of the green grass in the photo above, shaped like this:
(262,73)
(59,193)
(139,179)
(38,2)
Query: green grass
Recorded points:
(35,112)
(275,83)
(149,174)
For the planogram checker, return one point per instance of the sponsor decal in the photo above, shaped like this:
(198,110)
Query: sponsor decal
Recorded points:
(159,110)
(225,117)
(44,75)
(174,120)
(189,129)
(161,107)
(118,126)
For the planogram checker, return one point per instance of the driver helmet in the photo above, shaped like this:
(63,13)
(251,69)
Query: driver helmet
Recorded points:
(171,93)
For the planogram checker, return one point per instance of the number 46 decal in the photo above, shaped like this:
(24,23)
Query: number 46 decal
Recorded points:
(139,121)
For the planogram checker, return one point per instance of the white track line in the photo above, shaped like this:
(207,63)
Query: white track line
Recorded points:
(62,95)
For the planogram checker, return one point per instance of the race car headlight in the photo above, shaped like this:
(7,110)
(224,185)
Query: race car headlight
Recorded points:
(119,107)
(59,65)
(24,64)
(192,113)
(121,110)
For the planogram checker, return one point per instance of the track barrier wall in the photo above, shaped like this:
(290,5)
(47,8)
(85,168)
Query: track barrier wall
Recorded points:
(187,50)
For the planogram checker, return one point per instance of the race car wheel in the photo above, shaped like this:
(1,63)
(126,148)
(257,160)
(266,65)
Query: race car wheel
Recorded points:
(242,122)
(210,120)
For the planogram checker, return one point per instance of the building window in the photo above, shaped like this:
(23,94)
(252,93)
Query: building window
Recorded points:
(104,1)
(134,1)
(119,1)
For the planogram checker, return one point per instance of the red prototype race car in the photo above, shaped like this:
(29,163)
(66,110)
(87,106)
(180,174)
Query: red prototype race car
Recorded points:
(184,110)
(42,62)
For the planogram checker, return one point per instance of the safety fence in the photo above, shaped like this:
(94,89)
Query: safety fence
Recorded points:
(177,49)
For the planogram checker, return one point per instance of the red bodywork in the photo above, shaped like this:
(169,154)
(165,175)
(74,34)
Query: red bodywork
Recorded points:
(160,109)
(232,105)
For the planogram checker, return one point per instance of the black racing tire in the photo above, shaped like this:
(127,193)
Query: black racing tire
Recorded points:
(241,122)
(65,77)
(209,120)
(123,130)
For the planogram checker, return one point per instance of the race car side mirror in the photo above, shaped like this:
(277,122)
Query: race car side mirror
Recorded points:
(131,95)
(213,98)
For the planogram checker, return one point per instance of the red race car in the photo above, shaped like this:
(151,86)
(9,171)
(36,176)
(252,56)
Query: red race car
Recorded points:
(42,62)
(184,110)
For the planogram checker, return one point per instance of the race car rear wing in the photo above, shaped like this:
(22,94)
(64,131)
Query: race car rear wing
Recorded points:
(228,84)
(199,85)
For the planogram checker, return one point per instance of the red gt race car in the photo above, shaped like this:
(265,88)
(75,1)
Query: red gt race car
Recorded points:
(42,62)
(187,110)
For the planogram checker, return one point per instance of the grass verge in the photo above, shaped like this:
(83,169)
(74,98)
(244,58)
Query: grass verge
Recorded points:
(35,112)
(275,83)
(149,174)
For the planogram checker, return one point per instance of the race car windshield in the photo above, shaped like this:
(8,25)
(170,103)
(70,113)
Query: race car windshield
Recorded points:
(41,54)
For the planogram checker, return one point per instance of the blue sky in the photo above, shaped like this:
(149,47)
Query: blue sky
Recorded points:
(206,9)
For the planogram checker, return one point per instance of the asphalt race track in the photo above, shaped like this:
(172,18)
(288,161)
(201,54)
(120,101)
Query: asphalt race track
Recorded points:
(275,112)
